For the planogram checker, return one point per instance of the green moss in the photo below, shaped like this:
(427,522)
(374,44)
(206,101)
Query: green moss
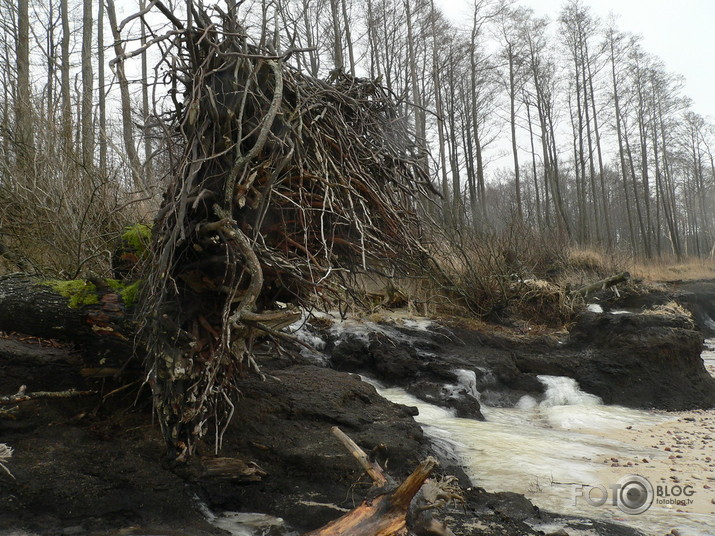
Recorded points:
(137,238)
(115,284)
(81,292)
(130,293)
(78,291)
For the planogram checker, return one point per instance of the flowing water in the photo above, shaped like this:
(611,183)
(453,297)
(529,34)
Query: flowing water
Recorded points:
(553,452)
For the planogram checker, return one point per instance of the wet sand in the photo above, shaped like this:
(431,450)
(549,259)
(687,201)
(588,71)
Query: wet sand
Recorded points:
(682,460)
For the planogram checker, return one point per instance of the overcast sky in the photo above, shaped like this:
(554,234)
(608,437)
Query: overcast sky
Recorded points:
(680,32)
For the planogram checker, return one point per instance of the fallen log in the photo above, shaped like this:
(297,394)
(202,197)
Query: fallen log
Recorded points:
(601,285)
(93,316)
(388,510)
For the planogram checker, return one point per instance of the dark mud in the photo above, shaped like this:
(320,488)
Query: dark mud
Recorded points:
(93,466)
(640,360)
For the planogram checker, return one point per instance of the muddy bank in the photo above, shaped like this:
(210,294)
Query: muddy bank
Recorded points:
(92,466)
(696,296)
(639,360)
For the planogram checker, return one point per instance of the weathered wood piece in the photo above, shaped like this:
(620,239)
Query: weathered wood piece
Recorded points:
(234,469)
(387,510)
(23,396)
(603,284)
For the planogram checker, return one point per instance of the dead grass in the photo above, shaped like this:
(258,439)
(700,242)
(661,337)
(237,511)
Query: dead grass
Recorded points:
(669,309)
(689,270)
(584,266)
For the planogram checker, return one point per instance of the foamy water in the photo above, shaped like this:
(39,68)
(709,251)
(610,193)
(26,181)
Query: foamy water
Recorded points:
(553,450)
(548,449)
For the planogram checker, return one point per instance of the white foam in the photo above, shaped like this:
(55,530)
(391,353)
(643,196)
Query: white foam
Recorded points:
(468,380)
(246,523)
(422,324)
(563,391)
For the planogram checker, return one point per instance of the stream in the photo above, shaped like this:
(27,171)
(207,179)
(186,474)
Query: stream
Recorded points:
(554,450)
(557,451)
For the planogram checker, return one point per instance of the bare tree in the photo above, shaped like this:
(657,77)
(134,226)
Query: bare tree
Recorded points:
(118,65)
(23,103)
(87,125)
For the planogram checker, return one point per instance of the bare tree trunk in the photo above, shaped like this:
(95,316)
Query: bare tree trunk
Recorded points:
(65,78)
(591,168)
(601,172)
(669,193)
(102,100)
(312,54)
(338,35)
(127,131)
(474,93)
(420,118)
(87,87)
(621,152)
(348,37)
(441,140)
(148,165)
(23,107)
(533,169)
(512,123)
(582,230)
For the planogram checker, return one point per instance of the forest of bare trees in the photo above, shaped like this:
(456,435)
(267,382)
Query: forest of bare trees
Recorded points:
(567,127)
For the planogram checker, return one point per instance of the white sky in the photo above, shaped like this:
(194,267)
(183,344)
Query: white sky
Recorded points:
(680,32)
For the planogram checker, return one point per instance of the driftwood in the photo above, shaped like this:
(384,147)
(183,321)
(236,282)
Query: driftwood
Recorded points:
(233,469)
(23,396)
(389,510)
(603,284)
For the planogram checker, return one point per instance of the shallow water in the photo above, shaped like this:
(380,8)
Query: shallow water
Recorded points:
(550,450)
(554,450)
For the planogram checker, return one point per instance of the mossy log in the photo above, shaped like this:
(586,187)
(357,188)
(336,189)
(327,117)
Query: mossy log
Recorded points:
(90,314)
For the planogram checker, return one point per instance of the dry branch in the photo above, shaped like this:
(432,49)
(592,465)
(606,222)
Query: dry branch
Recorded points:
(388,511)
(5,455)
(23,396)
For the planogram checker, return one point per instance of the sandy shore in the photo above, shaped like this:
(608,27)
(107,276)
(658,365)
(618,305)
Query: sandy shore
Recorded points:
(683,460)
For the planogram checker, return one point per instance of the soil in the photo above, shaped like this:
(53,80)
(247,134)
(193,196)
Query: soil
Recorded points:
(94,464)
(87,466)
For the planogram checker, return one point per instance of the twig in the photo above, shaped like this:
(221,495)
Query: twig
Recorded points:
(23,396)
(371,468)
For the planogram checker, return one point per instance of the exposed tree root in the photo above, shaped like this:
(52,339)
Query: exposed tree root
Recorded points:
(282,187)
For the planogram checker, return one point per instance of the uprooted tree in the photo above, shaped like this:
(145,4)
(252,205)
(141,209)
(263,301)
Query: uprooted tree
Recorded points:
(282,186)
